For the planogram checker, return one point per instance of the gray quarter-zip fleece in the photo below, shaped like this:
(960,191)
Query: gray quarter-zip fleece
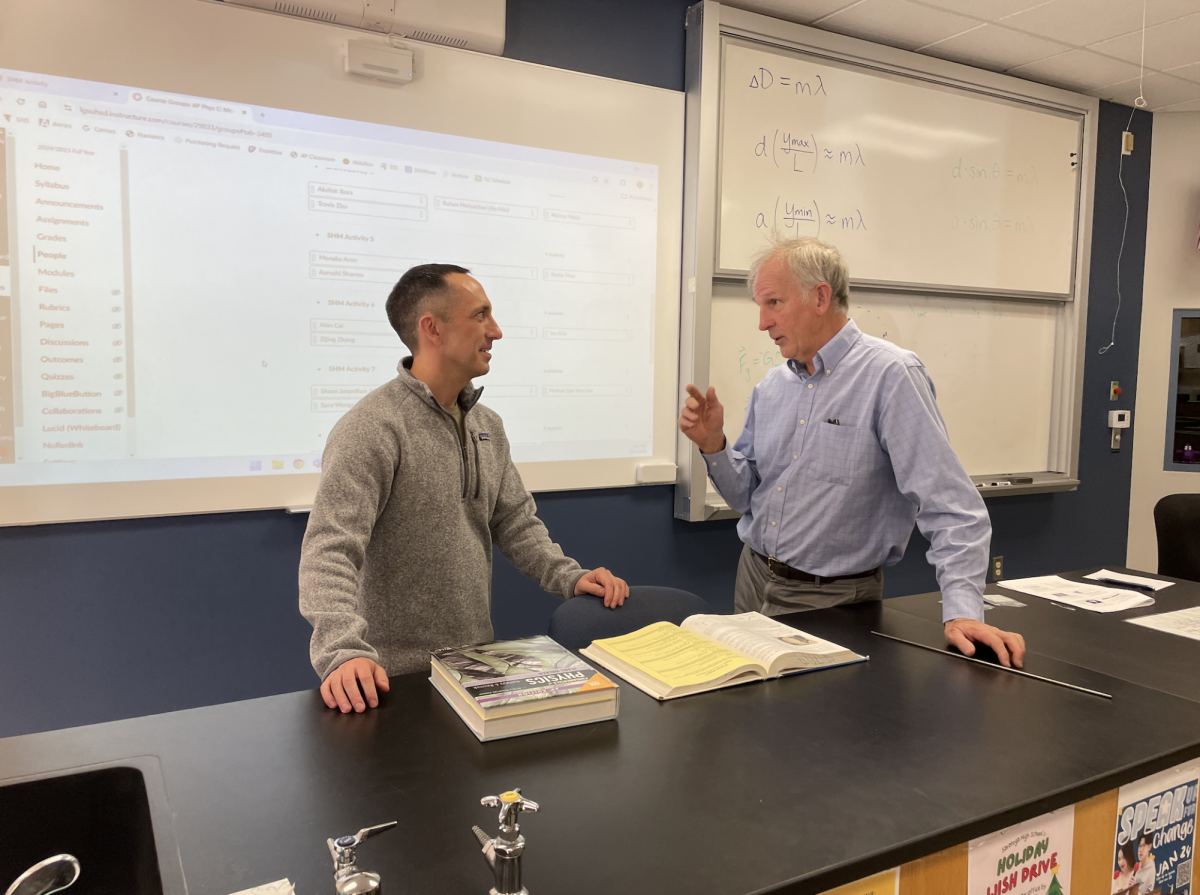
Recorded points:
(397,558)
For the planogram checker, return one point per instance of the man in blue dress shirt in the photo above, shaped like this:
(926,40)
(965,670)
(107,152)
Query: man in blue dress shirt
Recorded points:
(843,450)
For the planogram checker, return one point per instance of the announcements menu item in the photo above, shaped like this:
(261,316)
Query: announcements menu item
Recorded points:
(1031,858)
(1156,833)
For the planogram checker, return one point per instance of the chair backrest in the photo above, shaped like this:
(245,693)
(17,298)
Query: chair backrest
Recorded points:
(580,620)
(1177,524)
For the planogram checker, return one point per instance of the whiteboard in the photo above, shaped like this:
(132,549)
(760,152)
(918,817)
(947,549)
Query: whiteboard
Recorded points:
(265,61)
(919,184)
(991,362)
(999,329)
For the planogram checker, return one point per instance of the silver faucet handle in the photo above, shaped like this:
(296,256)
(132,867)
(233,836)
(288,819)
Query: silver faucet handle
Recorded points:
(511,804)
(342,849)
(367,832)
(46,877)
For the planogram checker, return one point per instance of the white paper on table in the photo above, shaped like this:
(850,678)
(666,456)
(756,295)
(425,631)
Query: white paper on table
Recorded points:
(992,600)
(1152,583)
(1092,597)
(279,887)
(1184,622)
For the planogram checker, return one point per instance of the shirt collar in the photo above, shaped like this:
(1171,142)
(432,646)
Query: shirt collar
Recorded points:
(832,351)
(467,398)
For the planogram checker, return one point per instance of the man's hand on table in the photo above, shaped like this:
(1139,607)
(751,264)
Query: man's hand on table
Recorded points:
(603,583)
(341,690)
(964,633)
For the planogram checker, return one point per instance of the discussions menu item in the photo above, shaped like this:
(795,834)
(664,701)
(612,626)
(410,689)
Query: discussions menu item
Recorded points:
(707,652)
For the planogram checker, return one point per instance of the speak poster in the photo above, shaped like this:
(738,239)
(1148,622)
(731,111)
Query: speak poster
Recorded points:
(1156,833)
(1031,858)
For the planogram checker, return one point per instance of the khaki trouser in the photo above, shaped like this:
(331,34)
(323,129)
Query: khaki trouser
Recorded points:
(758,589)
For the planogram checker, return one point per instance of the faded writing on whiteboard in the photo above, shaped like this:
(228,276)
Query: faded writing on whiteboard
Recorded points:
(1026,176)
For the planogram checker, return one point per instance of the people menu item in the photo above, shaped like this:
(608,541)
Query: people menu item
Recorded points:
(707,652)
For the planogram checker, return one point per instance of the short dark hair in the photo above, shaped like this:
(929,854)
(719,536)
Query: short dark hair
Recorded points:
(409,299)
(1129,852)
(1147,837)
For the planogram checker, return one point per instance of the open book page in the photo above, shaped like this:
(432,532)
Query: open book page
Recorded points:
(773,644)
(676,657)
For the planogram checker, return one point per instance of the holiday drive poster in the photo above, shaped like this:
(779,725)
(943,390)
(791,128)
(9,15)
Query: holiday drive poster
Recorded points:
(1033,858)
(1156,833)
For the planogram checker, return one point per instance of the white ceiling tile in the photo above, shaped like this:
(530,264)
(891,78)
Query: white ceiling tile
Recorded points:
(994,47)
(1079,70)
(1169,45)
(896,23)
(802,11)
(988,10)
(1159,90)
(1190,106)
(1085,22)
(1187,72)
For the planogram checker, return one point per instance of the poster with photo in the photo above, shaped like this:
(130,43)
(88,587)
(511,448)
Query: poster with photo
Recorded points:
(1156,833)
(1031,858)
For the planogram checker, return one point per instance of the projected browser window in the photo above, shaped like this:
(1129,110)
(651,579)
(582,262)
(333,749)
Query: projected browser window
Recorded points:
(194,288)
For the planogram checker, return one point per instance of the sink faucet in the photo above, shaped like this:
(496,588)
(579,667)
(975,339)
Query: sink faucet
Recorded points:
(347,878)
(503,853)
(46,877)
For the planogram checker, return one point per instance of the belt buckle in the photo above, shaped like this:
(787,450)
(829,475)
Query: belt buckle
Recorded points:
(772,562)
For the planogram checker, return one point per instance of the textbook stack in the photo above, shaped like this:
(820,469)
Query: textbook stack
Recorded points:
(511,687)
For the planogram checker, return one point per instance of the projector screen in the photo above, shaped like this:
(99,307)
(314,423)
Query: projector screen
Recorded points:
(202,215)
(198,286)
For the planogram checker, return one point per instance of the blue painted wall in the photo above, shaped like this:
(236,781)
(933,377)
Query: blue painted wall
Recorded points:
(109,620)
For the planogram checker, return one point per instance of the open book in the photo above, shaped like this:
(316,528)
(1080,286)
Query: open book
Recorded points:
(711,651)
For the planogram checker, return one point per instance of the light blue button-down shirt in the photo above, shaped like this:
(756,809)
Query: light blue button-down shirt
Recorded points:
(832,470)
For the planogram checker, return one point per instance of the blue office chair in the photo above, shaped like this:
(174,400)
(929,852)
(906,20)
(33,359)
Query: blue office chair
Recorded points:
(580,620)
(1177,524)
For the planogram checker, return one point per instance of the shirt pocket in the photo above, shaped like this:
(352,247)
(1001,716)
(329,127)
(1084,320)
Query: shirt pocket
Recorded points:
(842,455)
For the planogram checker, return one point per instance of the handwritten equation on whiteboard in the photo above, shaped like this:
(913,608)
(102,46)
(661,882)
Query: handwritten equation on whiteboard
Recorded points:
(917,183)
(803,153)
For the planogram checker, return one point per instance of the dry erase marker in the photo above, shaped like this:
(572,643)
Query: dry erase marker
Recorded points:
(1120,583)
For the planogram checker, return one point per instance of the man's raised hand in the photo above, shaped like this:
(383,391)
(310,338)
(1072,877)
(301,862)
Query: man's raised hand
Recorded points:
(703,420)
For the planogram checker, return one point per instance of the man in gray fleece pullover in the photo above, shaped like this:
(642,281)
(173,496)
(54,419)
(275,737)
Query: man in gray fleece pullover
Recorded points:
(417,484)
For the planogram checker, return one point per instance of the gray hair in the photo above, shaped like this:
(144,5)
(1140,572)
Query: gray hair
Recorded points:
(811,262)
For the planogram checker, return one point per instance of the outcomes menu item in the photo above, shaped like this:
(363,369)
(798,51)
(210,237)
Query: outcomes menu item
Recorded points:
(510,687)
(707,652)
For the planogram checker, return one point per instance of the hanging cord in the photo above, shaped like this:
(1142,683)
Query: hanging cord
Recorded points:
(1139,103)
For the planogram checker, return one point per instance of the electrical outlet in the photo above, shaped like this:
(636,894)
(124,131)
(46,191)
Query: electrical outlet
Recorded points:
(997,568)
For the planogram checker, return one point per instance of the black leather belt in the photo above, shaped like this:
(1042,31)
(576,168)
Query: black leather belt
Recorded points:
(783,570)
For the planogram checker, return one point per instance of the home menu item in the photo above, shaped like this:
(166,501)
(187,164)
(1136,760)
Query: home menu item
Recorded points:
(711,651)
